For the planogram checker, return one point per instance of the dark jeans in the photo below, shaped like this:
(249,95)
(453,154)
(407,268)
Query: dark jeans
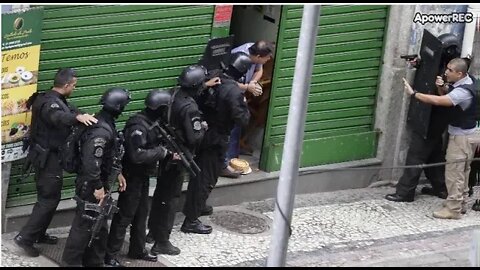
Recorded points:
(133,209)
(49,182)
(423,151)
(210,161)
(76,252)
(165,202)
(233,150)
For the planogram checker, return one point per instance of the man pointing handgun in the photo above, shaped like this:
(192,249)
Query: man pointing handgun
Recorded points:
(460,96)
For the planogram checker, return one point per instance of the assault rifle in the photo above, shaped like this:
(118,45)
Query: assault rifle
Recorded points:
(117,158)
(104,211)
(108,207)
(170,137)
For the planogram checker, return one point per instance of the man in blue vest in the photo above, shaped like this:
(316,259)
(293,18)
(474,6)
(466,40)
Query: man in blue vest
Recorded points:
(461,96)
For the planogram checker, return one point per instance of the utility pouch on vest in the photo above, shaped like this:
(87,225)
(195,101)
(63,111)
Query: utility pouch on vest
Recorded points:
(38,156)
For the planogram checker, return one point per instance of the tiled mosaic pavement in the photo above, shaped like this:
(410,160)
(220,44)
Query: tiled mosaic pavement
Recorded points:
(325,223)
(342,228)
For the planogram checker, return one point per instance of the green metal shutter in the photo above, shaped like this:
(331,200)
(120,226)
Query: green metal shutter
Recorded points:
(137,47)
(341,105)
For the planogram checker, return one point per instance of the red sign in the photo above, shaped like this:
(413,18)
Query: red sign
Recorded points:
(223,14)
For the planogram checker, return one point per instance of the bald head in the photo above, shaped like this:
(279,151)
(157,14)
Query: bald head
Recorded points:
(261,48)
(459,65)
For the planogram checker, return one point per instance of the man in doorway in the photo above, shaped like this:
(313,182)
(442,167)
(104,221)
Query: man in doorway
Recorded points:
(461,97)
(259,52)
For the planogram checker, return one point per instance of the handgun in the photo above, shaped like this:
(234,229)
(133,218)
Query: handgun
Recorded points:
(409,57)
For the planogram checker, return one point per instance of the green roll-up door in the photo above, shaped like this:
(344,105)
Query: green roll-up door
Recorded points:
(138,47)
(341,105)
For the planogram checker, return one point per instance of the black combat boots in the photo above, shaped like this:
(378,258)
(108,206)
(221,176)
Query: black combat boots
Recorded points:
(47,239)
(27,246)
(195,226)
(164,248)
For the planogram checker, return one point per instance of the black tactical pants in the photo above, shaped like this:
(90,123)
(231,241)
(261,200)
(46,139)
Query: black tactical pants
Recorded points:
(49,182)
(76,252)
(165,202)
(133,209)
(423,151)
(474,177)
(210,161)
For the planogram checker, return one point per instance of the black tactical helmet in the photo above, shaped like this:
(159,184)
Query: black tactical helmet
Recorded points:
(192,76)
(157,98)
(451,46)
(239,64)
(115,99)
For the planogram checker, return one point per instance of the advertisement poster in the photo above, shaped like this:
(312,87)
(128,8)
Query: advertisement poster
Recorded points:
(21,37)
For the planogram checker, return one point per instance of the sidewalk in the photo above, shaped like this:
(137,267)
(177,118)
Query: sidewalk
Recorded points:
(356,227)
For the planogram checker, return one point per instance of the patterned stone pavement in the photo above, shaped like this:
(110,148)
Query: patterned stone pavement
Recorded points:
(355,227)
(10,259)
(334,222)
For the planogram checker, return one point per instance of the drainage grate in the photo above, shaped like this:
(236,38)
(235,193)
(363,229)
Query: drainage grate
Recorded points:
(239,222)
(55,252)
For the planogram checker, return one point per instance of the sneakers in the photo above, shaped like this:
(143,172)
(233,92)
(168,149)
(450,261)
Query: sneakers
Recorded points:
(164,248)
(446,213)
(226,172)
(207,211)
(195,226)
(27,246)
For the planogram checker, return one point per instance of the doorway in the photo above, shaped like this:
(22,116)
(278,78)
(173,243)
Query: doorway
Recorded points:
(250,23)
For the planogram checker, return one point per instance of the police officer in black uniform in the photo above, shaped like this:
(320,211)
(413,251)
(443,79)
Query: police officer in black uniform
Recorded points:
(98,150)
(186,120)
(222,108)
(52,118)
(143,150)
